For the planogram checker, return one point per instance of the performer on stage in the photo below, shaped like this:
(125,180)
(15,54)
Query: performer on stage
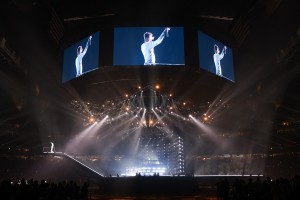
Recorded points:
(217,59)
(52,147)
(80,54)
(148,46)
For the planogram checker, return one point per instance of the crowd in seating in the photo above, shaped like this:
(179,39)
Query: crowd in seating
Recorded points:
(227,188)
(285,165)
(257,188)
(58,172)
(35,190)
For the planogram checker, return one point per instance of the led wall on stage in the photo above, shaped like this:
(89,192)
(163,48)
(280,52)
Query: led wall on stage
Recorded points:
(81,58)
(215,57)
(148,46)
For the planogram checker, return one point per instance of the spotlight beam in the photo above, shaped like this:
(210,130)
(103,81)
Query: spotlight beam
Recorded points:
(209,132)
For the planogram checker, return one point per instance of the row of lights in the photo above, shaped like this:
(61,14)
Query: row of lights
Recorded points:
(156,87)
(91,119)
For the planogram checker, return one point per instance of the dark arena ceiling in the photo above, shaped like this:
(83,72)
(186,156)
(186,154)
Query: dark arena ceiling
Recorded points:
(263,34)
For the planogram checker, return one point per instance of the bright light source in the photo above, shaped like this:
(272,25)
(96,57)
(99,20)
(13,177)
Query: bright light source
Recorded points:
(91,119)
(157,87)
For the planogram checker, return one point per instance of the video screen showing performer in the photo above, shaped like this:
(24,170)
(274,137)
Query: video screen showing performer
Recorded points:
(215,57)
(148,46)
(81,58)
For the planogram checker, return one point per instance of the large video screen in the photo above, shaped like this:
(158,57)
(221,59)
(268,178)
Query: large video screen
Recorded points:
(148,46)
(215,57)
(81,58)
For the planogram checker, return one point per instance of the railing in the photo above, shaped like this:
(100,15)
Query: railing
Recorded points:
(72,157)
